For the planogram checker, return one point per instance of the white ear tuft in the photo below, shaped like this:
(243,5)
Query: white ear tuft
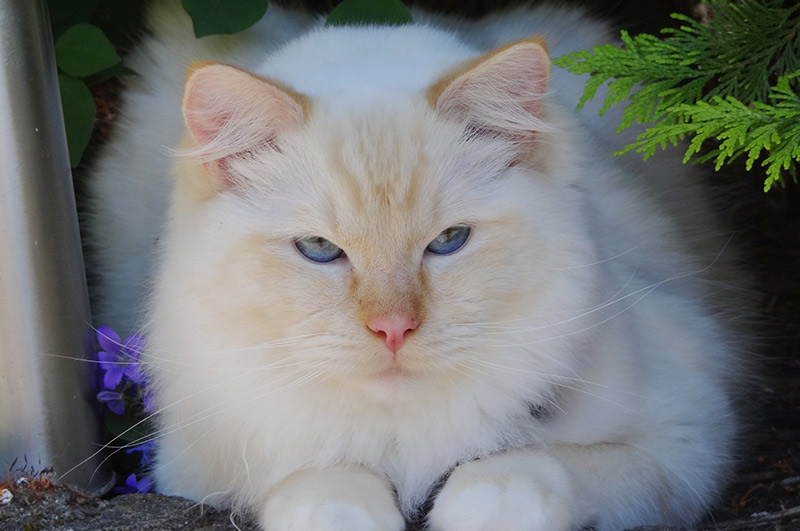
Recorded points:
(501,92)
(228,111)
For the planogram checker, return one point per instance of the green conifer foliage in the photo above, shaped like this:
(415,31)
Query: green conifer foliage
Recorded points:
(733,80)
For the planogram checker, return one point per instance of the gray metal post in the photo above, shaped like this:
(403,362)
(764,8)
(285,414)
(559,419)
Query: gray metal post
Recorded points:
(46,415)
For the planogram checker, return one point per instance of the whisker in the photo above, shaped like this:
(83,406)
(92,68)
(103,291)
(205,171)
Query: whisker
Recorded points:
(554,378)
(556,382)
(604,260)
(609,301)
(203,415)
(146,419)
(613,300)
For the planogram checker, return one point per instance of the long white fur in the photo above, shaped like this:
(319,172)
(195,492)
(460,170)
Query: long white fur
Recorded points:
(585,289)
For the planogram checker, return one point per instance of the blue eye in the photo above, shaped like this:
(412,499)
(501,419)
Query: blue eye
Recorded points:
(318,249)
(449,240)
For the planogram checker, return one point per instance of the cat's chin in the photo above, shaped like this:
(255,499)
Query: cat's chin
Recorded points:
(392,382)
(392,374)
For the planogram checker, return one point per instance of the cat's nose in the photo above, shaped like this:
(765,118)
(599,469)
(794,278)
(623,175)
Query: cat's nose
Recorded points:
(393,329)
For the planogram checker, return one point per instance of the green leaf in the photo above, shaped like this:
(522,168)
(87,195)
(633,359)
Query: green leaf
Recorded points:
(114,71)
(127,428)
(359,12)
(79,111)
(212,17)
(709,83)
(84,50)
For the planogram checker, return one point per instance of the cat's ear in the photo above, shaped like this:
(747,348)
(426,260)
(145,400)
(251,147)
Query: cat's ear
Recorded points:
(499,93)
(229,112)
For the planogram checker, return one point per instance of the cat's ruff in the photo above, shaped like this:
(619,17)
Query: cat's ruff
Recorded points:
(564,358)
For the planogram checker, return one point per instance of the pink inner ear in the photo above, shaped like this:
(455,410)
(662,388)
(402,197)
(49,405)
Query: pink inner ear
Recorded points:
(229,111)
(204,127)
(503,92)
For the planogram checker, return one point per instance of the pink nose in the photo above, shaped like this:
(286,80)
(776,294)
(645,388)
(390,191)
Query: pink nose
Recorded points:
(393,330)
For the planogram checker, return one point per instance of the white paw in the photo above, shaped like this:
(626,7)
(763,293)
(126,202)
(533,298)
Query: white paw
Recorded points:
(331,515)
(332,500)
(487,495)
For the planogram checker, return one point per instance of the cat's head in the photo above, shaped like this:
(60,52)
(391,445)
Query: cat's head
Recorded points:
(419,239)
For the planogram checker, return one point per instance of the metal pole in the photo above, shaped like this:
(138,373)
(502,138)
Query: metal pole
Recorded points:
(46,404)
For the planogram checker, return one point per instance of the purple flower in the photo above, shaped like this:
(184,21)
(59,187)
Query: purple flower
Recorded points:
(118,358)
(147,452)
(114,400)
(134,372)
(141,486)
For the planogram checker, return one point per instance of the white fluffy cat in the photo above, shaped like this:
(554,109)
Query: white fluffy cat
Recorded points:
(391,266)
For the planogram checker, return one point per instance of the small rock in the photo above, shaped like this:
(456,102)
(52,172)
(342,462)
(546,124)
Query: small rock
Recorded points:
(5,496)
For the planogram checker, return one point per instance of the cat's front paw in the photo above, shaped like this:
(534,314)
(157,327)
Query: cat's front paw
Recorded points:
(331,515)
(526,494)
(338,499)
